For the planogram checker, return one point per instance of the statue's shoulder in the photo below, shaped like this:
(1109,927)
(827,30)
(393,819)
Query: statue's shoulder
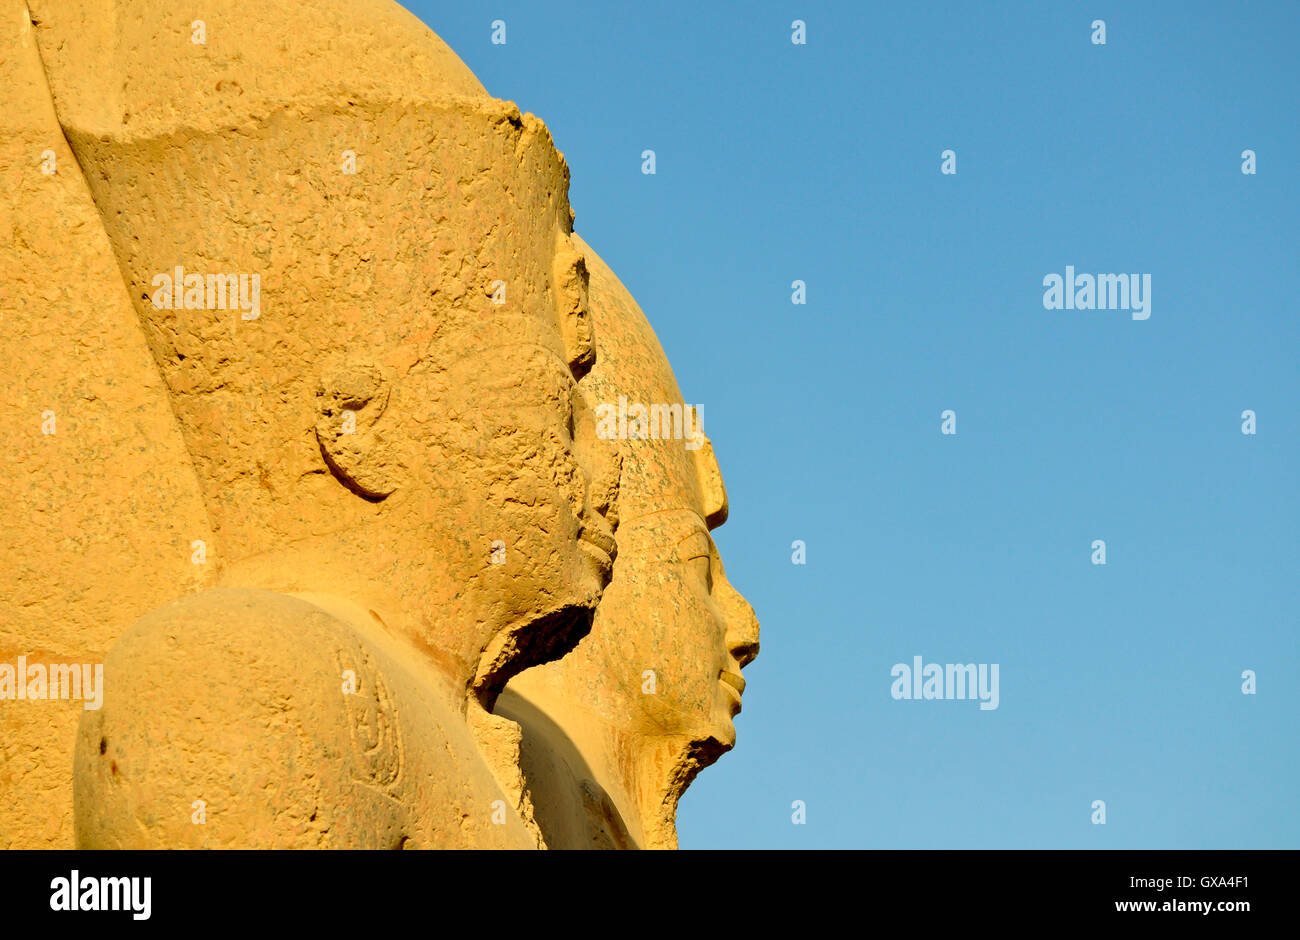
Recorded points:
(286,722)
(225,621)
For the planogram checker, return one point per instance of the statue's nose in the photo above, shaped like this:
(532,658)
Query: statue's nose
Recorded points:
(742,629)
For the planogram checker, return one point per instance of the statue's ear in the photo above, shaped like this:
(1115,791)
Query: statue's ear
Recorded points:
(569,280)
(350,400)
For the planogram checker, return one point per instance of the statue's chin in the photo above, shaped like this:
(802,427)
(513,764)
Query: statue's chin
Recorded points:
(699,730)
(715,734)
(723,733)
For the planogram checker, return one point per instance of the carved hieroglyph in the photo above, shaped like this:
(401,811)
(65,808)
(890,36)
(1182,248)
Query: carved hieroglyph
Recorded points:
(322,473)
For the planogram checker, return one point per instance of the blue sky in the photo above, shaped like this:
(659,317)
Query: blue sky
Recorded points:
(821,162)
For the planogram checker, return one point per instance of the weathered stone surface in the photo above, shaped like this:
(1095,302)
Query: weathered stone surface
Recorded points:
(308,310)
(102,511)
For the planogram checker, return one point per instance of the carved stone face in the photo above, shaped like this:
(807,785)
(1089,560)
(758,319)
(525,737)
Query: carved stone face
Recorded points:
(534,500)
(670,609)
(405,403)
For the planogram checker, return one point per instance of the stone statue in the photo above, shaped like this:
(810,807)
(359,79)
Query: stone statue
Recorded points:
(614,732)
(338,477)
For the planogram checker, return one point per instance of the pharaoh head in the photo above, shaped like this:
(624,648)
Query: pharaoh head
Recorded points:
(659,675)
(390,408)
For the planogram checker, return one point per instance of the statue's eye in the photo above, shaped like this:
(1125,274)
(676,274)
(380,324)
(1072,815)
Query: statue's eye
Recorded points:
(702,566)
(696,552)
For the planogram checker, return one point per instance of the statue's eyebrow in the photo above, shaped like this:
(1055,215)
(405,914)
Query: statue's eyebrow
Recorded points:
(637,520)
(710,548)
(696,522)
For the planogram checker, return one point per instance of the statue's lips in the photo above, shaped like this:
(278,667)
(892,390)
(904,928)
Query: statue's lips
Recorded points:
(733,680)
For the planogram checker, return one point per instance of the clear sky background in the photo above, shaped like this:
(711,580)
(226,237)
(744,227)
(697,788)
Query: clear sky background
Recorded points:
(821,162)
